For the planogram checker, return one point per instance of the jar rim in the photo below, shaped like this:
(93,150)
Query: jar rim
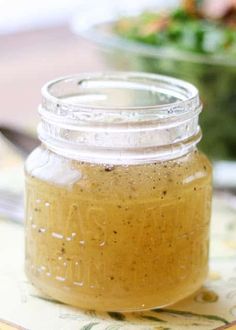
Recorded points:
(185,95)
(118,134)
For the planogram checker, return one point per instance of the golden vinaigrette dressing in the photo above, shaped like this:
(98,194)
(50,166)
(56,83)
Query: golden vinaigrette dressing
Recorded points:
(117,237)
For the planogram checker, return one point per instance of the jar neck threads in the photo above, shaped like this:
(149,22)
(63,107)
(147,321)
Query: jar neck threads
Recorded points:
(120,118)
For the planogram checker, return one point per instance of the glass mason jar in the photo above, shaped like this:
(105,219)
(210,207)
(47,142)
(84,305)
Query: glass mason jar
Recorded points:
(118,197)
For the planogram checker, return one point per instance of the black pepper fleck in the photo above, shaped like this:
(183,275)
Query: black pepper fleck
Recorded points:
(109,168)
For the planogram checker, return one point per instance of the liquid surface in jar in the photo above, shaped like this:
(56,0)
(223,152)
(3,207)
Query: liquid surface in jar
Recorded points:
(117,237)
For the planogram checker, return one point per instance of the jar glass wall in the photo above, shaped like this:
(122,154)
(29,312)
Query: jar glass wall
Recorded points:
(117,196)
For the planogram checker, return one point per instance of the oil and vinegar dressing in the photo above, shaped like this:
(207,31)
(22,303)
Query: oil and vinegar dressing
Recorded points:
(122,237)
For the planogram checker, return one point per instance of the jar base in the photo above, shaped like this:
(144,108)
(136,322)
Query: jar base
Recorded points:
(85,303)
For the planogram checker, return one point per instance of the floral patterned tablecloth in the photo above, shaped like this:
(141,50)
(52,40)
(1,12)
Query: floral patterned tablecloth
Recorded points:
(22,307)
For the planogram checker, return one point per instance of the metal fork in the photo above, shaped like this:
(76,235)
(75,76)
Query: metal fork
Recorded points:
(12,206)
(11,203)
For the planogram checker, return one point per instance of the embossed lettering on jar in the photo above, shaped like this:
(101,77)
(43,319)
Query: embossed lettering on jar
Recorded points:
(118,196)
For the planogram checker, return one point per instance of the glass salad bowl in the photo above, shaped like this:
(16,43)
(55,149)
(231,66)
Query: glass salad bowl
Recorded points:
(214,75)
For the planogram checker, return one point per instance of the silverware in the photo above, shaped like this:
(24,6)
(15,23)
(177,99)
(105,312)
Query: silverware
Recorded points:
(22,142)
(11,206)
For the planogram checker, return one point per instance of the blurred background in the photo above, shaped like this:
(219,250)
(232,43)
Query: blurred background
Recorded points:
(188,39)
(37,45)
